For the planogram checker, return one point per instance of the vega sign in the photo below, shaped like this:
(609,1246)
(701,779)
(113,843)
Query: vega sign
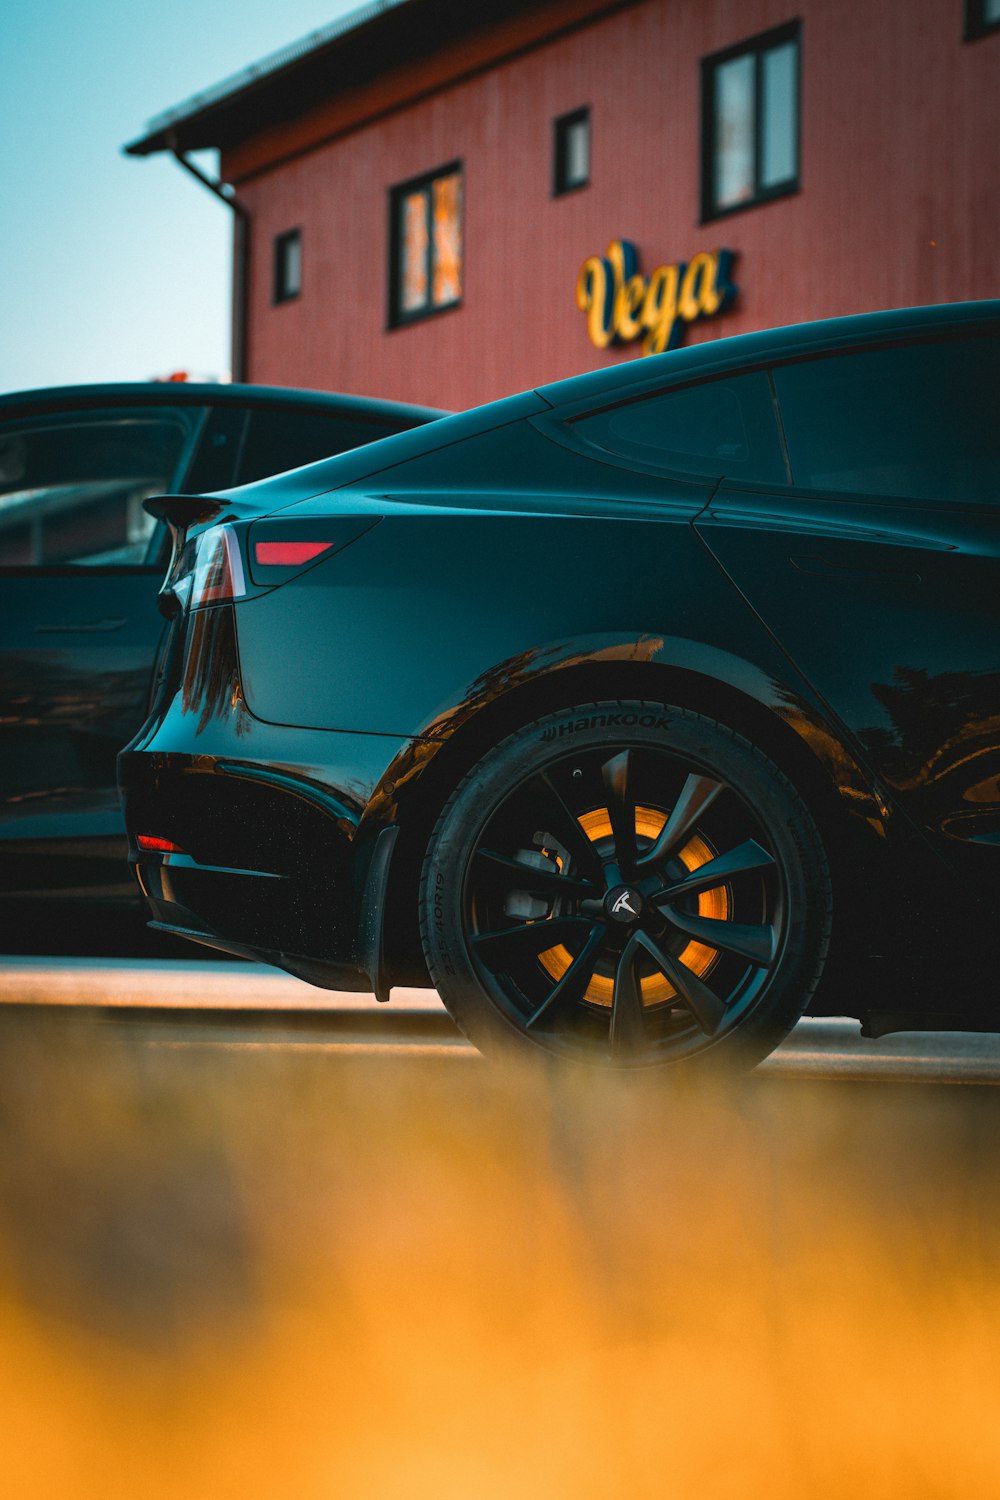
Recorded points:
(621,304)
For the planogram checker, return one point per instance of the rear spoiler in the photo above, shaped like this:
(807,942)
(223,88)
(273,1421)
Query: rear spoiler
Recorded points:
(182,512)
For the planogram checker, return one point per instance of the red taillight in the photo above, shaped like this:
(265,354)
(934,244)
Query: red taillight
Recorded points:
(288,554)
(157,846)
(218,574)
(280,548)
(208,570)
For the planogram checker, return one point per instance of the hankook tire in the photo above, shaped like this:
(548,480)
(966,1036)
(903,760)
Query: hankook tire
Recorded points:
(626,883)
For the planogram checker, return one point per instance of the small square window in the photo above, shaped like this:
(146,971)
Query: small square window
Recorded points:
(287,265)
(425,245)
(981,17)
(750,122)
(571,162)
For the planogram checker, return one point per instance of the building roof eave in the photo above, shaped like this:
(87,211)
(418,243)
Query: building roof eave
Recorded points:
(350,51)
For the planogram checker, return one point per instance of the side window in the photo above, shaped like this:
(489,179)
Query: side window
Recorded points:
(72,484)
(917,421)
(277,440)
(214,464)
(719,429)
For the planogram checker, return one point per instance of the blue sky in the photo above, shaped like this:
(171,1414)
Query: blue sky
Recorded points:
(113,268)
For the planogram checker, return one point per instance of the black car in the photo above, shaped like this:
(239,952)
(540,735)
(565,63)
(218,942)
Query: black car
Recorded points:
(641,712)
(80,565)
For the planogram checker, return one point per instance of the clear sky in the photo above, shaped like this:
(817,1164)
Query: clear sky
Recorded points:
(114,268)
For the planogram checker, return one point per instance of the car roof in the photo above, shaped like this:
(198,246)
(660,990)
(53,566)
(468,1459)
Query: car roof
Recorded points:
(189,393)
(748,349)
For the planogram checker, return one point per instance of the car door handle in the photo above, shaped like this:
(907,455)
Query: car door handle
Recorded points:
(87,627)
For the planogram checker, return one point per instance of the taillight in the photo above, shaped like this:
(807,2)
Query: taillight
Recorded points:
(156,845)
(279,547)
(209,570)
(288,554)
(210,567)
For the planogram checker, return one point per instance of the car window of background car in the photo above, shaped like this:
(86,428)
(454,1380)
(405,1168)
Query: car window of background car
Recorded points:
(72,485)
(278,440)
(719,428)
(214,464)
(918,421)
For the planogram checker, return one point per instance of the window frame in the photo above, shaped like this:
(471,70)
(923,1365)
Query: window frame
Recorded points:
(280,245)
(976,24)
(397,316)
(755,47)
(561,127)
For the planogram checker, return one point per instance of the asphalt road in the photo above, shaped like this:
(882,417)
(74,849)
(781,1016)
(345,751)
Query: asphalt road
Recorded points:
(205,1005)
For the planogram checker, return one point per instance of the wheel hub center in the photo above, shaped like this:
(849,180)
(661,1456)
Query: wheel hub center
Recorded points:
(623,904)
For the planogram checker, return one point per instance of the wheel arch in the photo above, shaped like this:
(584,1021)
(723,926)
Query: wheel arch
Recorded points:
(804,748)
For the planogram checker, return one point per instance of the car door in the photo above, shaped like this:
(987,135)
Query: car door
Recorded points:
(79,627)
(877,567)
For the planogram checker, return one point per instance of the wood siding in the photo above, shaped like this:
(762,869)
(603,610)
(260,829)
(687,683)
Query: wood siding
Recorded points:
(899,201)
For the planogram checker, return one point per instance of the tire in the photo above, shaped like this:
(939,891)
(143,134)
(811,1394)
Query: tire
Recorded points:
(630,884)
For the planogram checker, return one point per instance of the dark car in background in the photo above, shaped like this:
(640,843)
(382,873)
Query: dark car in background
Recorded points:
(641,713)
(80,567)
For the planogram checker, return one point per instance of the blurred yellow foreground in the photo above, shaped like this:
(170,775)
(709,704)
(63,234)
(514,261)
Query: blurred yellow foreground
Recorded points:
(295,1275)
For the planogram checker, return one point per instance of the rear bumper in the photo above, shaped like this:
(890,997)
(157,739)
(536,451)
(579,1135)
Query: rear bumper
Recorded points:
(273,856)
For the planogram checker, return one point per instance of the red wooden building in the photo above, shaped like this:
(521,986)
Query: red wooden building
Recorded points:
(444,202)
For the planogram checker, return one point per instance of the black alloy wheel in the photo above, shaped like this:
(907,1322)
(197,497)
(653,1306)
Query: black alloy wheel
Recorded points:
(628,883)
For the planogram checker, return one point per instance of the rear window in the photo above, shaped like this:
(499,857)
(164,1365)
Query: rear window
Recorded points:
(918,421)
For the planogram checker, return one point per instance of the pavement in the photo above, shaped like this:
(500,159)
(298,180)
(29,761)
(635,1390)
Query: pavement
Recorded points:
(184,984)
(193,1003)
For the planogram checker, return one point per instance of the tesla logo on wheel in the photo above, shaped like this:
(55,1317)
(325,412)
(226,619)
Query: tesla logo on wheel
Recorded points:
(624,903)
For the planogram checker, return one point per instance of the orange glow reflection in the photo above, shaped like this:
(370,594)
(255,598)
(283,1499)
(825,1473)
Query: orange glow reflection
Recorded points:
(415,242)
(447,213)
(698,957)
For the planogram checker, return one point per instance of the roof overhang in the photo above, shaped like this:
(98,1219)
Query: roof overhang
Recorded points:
(350,52)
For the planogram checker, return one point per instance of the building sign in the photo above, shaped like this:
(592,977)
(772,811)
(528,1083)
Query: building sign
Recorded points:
(621,304)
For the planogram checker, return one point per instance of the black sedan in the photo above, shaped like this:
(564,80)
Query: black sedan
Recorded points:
(641,713)
(80,565)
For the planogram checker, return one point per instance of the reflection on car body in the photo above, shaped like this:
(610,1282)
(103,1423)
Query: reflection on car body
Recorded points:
(640,713)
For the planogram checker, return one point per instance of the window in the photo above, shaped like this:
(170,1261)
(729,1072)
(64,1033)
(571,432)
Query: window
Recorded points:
(750,122)
(917,422)
(72,485)
(571,142)
(288,265)
(425,238)
(721,428)
(981,17)
(278,439)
